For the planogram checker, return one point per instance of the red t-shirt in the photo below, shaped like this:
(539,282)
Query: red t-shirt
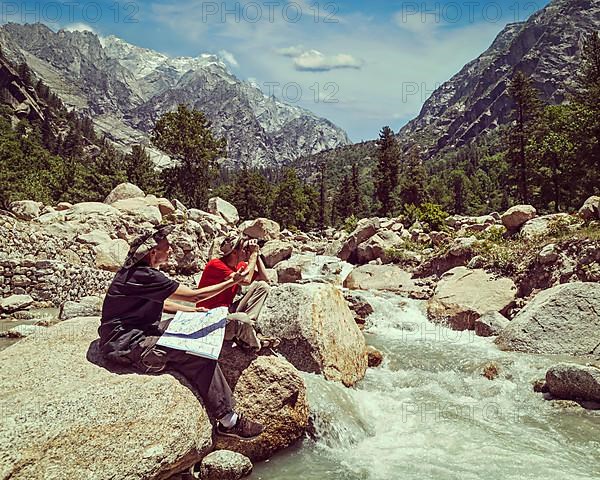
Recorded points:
(216,271)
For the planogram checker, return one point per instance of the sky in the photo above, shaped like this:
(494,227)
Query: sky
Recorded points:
(360,64)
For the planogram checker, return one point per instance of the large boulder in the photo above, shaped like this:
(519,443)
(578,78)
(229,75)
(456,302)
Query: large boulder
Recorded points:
(111,255)
(590,209)
(463,295)
(86,307)
(380,277)
(540,226)
(262,229)
(142,209)
(518,215)
(124,191)
(14,303)
(574,382)
(365,229)
(275,251)
(270,391)
(378,246)
(288,272)
(67,417)
(317,331)
(564,319)
(224,209)
(26,209)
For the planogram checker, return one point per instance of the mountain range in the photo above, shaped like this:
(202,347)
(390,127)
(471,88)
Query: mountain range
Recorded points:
(546,47)
(125,89)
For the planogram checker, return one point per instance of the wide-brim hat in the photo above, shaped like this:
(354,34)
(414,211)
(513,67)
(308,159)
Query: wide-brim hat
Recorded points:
(230,243)
(141,246)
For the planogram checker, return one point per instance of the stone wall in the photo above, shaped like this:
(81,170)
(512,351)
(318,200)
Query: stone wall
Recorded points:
(51,280)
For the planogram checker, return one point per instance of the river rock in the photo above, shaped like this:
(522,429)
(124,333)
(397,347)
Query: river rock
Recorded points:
(15,302)
(261,229)
(359,306)
(69,416)
(490,323)
(62,206)
(288,272)
(26,209)
(548,254)
(365,229)
(378,246)
(380,277)
(516,216)
(86,307)
(276,251)
(375,357)
(463,295)
(225,465)
(124,191)
(563,319)
(270,391)
(224,209)
(570,381)
(317,331)
(111,255)
(590,209)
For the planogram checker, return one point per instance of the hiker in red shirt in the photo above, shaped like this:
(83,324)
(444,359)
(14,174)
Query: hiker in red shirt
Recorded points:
(239,255)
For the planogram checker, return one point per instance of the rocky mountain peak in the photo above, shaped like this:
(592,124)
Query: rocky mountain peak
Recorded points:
(476,100)
(126,88)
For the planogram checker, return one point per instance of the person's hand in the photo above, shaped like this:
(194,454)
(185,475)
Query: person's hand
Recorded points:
(238,275)
(201,309)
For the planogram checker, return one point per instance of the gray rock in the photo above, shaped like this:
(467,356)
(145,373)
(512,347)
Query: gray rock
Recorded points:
(87,307)
(540,226)
(276,251)
(225,465)
(95,237)
(380,277)
(15,302)
(590,209)
(124,191)
(224,209)
(262,229)
(142,209)
(26,209)
(378,246)
(70,409)
(564,319)
(23,331)
(518,215)
(288,272)
(490,323)
(463,295)
(111,255)
(317,331)
(570,381)
(548,254)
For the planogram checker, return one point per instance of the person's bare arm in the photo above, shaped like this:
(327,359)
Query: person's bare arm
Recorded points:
(262,270)
(188,294)
(248,273)
(172,307)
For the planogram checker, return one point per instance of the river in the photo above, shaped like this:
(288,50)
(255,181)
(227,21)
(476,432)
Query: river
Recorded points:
(428,413)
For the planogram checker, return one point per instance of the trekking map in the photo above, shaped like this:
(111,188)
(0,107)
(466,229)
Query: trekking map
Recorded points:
(198,333)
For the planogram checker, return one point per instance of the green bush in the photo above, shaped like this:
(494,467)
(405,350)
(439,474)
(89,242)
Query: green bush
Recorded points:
(350,223)
(430,215)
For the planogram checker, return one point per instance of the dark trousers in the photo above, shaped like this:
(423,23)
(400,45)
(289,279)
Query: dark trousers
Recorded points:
(204,374)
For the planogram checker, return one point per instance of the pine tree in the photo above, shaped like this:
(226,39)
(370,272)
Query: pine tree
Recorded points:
(141,171)
(290,202)
(413,180)
(459,185)
(386,173)
(525,112)
(186,136)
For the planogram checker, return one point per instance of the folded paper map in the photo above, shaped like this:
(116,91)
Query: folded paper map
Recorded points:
(198,333)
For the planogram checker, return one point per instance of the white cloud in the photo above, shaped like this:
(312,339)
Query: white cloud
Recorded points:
(229,58)
(315,61)
(292,52)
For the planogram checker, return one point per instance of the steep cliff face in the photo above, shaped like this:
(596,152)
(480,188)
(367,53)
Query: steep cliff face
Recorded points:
(17,95)
(476,100)
(125,89)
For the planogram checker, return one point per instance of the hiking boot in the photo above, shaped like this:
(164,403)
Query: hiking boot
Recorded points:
(268,342)
(244,429)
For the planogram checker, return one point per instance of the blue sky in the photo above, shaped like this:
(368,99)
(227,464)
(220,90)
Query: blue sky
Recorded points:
(362,65)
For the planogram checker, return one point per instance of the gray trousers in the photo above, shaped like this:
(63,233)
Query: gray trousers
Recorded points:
(240,323)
